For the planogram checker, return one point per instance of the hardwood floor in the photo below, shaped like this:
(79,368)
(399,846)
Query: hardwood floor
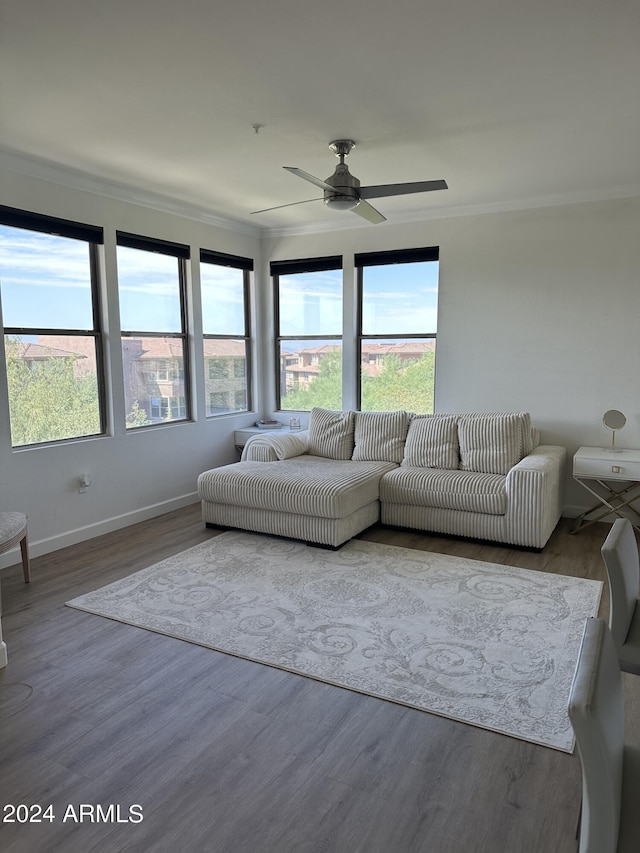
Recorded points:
(229,756)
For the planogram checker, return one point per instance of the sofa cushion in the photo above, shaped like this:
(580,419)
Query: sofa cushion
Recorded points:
(432,442)
(468,491)
(331,433)
(305,485)
(380,436)
(493,443)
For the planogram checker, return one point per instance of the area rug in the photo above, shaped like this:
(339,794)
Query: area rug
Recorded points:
(490,645)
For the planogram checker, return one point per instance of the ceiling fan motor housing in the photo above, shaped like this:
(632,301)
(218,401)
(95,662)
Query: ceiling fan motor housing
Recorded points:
(347,189)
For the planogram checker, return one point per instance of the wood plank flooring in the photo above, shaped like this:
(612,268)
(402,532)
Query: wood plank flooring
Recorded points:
(228,756)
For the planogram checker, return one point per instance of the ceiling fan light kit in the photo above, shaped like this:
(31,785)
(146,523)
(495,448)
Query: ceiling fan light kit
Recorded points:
(342,190)
(340,202)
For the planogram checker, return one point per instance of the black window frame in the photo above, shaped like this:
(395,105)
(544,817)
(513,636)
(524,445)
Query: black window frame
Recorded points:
(385,258)
(295,267)
(182,253)
(246,265)
(93,235)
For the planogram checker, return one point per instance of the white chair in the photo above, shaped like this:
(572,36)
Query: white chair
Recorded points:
(620,555)
(610,818)
(13,529)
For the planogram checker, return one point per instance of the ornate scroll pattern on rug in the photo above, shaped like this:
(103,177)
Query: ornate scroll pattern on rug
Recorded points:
(491,645)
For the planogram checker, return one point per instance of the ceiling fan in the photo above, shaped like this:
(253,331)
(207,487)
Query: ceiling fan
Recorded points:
(342,191)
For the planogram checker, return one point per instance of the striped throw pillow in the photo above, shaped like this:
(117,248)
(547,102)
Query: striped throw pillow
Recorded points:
(380,436)
(432,442)
(331,433)
(492,443)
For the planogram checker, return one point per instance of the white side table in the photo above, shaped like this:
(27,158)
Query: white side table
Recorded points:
(241,436)
(613,478)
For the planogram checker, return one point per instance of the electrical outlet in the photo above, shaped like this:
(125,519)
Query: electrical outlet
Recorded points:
(84,481)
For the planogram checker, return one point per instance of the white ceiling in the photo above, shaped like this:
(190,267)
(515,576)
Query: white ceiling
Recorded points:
(515,103)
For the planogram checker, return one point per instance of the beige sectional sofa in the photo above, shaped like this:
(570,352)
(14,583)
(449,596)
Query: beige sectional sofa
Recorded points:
(477,475)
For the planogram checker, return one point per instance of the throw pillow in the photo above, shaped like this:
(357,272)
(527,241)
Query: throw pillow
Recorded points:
(432,442)
(493,443)
(380,436)
(331,433)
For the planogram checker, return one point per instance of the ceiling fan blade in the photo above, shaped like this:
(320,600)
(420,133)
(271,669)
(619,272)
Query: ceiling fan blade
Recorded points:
(291,204)
(402,189)
(368,212)
(307,177)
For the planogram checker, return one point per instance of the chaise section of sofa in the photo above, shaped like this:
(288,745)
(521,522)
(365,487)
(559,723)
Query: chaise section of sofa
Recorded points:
(315,499)
(476,475)
(312,486)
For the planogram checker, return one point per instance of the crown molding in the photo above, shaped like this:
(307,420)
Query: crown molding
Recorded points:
(66,176)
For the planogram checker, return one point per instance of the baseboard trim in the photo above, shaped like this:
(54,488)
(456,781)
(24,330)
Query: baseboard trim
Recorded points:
(39,547)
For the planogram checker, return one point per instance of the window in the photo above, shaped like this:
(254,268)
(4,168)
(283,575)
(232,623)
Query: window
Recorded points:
(52,327)
(151,287)
(398,315)
(164,369)
(224,281)
(163,408)
(308,317)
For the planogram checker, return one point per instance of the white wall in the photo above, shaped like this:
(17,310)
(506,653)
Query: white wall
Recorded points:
(538,311)
(135,475)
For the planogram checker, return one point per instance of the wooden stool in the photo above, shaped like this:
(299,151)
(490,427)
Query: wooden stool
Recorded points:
(13,529)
